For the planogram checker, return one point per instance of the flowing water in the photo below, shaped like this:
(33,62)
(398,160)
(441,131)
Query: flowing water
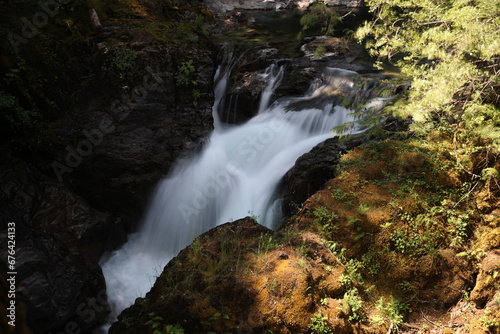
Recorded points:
(236,175)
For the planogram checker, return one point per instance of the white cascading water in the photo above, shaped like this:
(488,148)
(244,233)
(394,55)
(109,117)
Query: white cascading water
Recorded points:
(235,175)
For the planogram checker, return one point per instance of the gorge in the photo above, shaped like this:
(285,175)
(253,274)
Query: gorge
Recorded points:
(237,173)
(217,167)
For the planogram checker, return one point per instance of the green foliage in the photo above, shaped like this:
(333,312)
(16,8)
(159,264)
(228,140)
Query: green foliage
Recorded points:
(17,117)
(266,243)
(354,303)
(320,15)
(155,321)
(393,310)
(473,254)
(320,51)
(450,50)
(372,262)
(489,323)
(352,273)
(123,60)
(363,208)
(185,74)
(460,224)
(326,218)
(174,329)
(218,316)
(421,234)
(334,248)
(489,173)
(338,194)
(186,77)
(319,324)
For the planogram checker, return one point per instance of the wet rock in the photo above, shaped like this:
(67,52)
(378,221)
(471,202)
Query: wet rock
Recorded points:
(59,239)
(325,46)
(113,124)
(298,73)
(122,147)
(53,283)
(312,170)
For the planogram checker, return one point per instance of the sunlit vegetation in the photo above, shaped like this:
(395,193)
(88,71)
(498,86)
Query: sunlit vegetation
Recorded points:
(450,50)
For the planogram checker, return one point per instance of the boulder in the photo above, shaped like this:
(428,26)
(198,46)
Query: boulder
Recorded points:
(313,169)
(242,278)
(59,239)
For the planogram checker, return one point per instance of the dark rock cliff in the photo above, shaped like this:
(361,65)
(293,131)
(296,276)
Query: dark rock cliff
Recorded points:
(96,108)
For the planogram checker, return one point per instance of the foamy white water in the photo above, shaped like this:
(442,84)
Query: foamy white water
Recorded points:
(235,175)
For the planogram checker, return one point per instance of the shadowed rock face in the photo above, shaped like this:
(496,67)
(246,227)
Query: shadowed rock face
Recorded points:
(313,169)
(110,129)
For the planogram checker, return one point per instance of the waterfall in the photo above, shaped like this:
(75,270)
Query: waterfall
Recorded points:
(273,75)
(235,175)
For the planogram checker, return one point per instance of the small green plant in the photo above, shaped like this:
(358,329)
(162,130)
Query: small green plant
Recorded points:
(489,173)
(273,285)
(174,329)
(473,254)
(489,323)
(155,321)
(334,248)
(326,218)
(320,51)
(301,263)
(407,286)
(466,295)
(406,243)
(338,194)
(186,77)
(393,309)
(266,243)
(497,299)
(354,304)
(253,216)
(352,273)
(218,316)
(371,262)
(319,324)
(363,208)
(377,320)
(17,117)
(352,220)
(460,224)
(123,61)
(185,73)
